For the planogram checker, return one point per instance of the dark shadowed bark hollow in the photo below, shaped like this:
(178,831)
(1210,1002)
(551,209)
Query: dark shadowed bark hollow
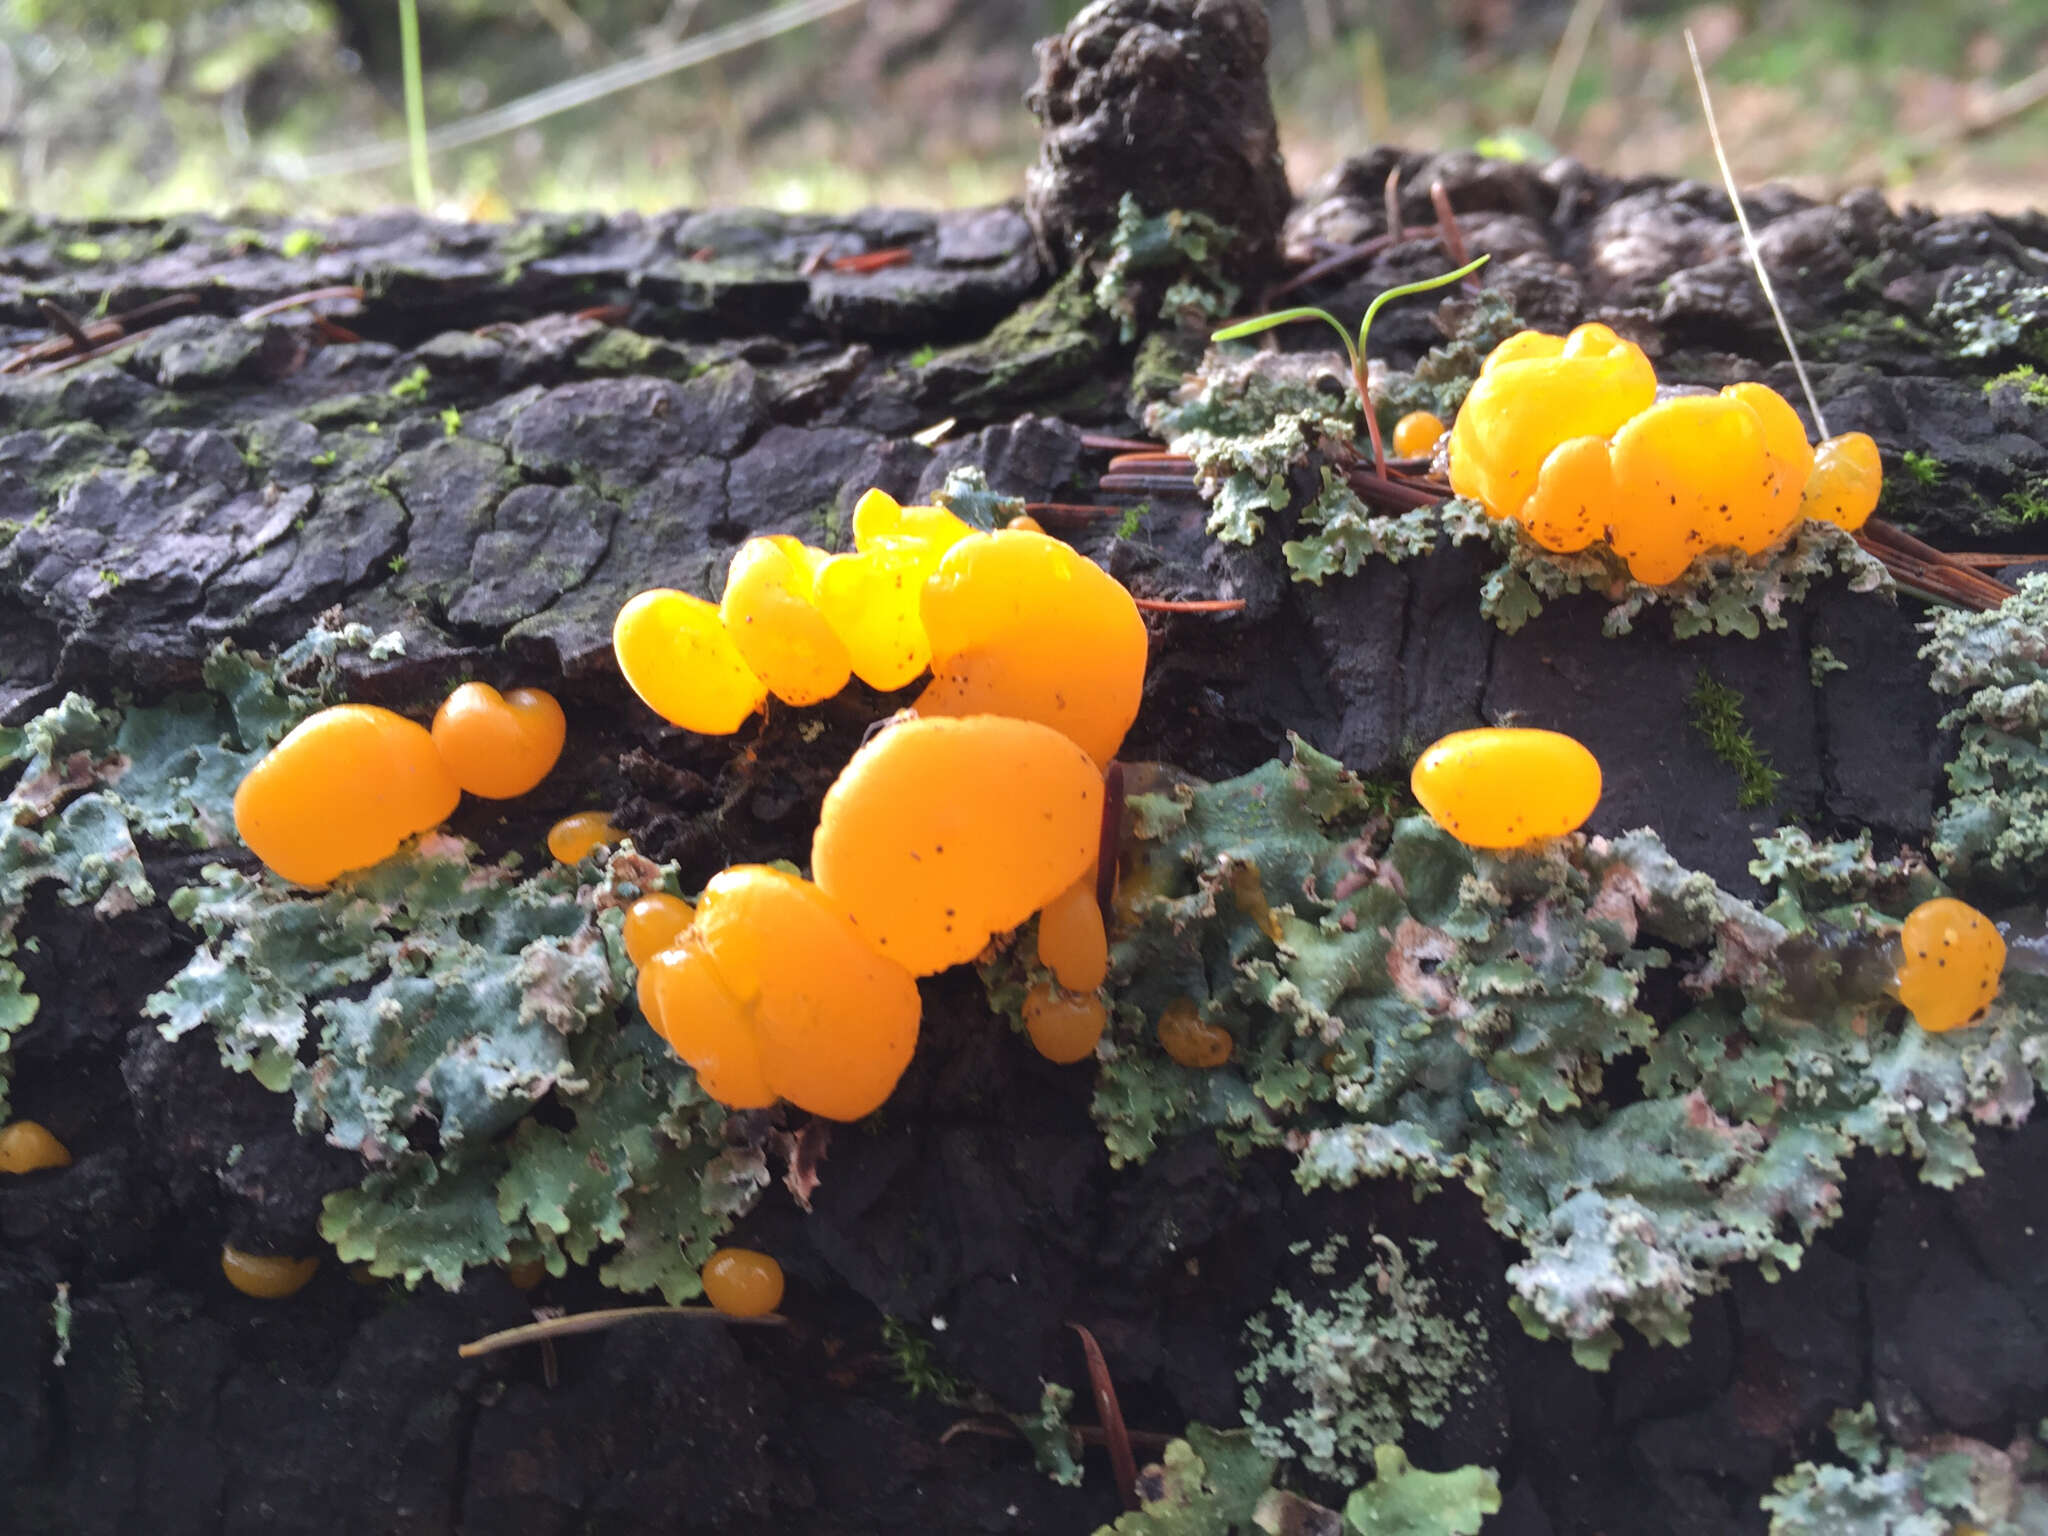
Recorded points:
(516,428)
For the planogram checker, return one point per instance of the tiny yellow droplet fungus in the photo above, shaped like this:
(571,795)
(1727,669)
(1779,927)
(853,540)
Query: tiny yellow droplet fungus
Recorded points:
(341,792)
(26,1146)
(572,839)
(498,746)
(1191,1040)
(1848,477)
(1064,1026)
(1951,961)
(742,1283)
(1501,788)
(266,1276)
(652,924)
(1416,434)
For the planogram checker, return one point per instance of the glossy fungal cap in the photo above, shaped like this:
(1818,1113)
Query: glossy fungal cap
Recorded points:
(1063,1026)
(768,611)
(835,1021)
(1528,400)
(26,1146)
(874,602)
(1789,453)
(1021,625)
(653,923)
(1951,958)
(572,839)
(266,1276)
(878,517)
(1501,788)
(1690,475)
(341,792)
(1847,477)
(1192,1040)
(688,1001)
(742,1283)
(1574,492)
(674,652)
(499,745)
(940,833)
(1071,941)
(1415,434)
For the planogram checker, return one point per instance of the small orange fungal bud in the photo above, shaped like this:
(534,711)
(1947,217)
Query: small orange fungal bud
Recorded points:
(742,1283)
(878,517)
(1951,960)
(688,1002)
(769,611)
(1416,434)
(341,792)
(653,923)
(525,1276)
(1847,478)
(28,1147)
(1021,625)
(1192,1040)
(940,833)
(1071,941)
(1573,496)
(266,1276)
(573,838)
(676,655)
(1024,522)
(1501,788)
(1063,1026)
(499,745)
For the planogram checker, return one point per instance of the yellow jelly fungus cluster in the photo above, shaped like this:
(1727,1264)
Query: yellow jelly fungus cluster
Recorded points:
(742,1283)
(1565,436)
(1951,958)
(1009,623)
(1500,787)
(350,784)
(28,1147)
(1416,434)
(267,1277)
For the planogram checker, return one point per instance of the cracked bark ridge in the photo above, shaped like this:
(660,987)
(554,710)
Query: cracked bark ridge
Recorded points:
(1165,99)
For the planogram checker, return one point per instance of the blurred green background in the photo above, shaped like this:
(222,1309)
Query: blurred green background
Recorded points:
(145,106)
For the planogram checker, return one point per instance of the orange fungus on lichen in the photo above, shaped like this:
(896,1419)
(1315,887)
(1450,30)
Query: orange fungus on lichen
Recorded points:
(499,745)
(27,1146)
(1064,1026)
(1071,941)
(742,1283)
(1951,961)
(676,655)
(1500,788)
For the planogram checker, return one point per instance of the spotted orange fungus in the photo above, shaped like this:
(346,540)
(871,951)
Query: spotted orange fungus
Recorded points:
(1951,959)
(1022,626)
(1503,787)
(266,1276)
(772,992)
(572,839)
(27,1146)
(1063,1026)
(1192,1040)
(1416,434)
(942,832)
(341,792)
(1847,477)
(742,1283)
(652,924)
(1072,943)
(769,610)
(674,652)
(498,745)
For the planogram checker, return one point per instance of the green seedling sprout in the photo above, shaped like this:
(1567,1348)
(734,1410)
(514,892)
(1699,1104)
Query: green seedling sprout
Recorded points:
(415,104)
(1355,351)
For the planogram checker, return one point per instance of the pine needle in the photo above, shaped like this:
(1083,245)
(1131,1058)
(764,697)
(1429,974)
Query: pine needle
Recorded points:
(1756,260)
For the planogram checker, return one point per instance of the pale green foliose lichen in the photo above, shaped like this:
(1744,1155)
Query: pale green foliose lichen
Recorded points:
(1405,1501)
(1947,1486)
(1184,249)
(1209,1484)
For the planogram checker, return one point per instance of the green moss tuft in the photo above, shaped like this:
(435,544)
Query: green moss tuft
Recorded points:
(1717,716)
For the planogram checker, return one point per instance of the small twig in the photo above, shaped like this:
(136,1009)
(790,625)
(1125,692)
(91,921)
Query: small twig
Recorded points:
(1087,1434)
(62,319)
(1112,837)
(1447,226)
(1101,444)
(1117,1436)
(299,300)
(597,1322)
(1148,483)
(1564,66)
(1391,192)
(1072,514)
(871,261)
(1388,491)
(1189,604)
(1151,460)
(78,359)
(1984,560)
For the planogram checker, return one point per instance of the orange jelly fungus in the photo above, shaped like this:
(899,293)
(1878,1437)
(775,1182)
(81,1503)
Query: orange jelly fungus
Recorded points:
(942,832)
(341,792)
(653,923)
(1071,941)
(28,1147)
(742,1283)
(1501,788)
(499,745)
(266,1276)
(873,598)
(572,839)
(1416,434)
(676,655)
(878,517)
(833,1022)
(1951,959)
(1847,477)
(687,1001)
(1534,392)
(1020,625)
(1063,1026)
(770,611)
(1192,1040)
(526,1275)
